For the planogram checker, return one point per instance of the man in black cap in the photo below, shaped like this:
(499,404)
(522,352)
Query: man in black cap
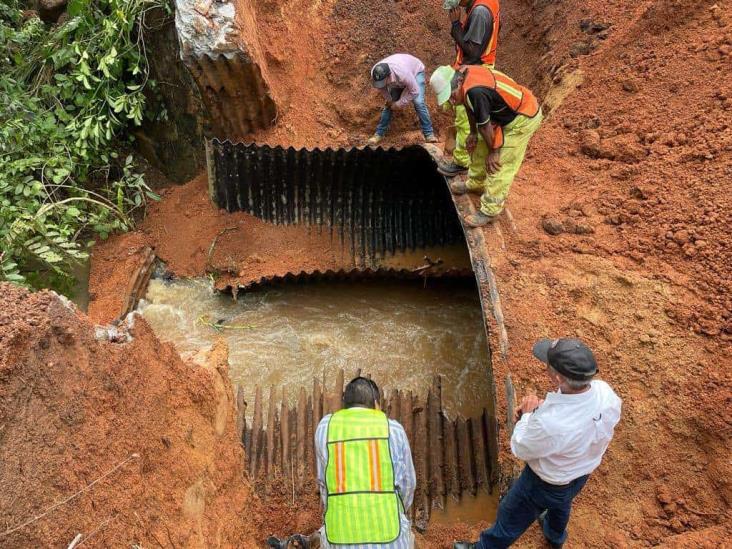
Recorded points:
(400,79)
(562,440)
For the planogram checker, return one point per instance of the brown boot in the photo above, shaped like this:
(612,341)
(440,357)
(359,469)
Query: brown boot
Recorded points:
(478,219)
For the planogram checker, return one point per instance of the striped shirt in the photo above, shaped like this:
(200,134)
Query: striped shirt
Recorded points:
(404,479)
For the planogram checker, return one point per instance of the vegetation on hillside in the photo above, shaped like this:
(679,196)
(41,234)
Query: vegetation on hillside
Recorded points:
(69,93)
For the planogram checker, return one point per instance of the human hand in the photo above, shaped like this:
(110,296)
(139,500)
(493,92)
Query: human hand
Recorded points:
(492,163)
(530,403)
(470,143)
(455,14)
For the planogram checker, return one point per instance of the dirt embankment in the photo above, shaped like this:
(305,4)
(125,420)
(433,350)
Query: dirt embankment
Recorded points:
(122,443)
(623,223)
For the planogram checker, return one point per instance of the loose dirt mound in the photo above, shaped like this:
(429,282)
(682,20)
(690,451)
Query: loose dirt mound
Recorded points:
(120,442)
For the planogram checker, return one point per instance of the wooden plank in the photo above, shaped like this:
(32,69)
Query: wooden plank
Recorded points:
(436,443)
(285,435)
(317,402)
(467,466)
(492,429)
(292,420)
(420,452)
(269,460)
(395,405)
(256,430)
(481,452)
(461,438)
(452,470)
(300,439)
(241,409)
(310,435)
(338,391)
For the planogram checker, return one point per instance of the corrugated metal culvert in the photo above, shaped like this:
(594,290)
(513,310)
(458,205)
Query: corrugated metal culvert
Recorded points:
(381,201)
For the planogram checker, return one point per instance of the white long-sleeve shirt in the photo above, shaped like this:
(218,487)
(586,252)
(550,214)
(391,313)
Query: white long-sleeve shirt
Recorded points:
(405,481)
(566,437)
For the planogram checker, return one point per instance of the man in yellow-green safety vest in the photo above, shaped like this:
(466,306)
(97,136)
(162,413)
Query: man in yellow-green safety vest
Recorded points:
(366,476)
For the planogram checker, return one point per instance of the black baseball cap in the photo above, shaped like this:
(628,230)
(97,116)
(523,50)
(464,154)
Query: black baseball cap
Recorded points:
(568,356)
(379,74)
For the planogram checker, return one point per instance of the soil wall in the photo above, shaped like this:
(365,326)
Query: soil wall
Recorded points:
(121,442)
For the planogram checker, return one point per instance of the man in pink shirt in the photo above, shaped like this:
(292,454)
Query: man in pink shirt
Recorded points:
(400,79)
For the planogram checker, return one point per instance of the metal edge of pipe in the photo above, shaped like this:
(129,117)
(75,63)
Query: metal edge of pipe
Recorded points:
(346,274)
(490,306)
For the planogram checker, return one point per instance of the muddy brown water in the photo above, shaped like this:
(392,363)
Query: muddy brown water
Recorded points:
(403,333)
(400,332)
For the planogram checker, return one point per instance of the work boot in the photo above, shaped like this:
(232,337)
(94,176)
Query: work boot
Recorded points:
(450,169)
(276,543)
(478,219)
(375,139)
(458,186)
(298,541)
(430,138)
(540,520)
(464,545)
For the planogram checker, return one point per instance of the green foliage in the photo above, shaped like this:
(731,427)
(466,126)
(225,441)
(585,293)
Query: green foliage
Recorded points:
(69,94)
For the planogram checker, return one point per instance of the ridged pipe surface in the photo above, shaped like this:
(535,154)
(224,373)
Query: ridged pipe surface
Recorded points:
(381,201)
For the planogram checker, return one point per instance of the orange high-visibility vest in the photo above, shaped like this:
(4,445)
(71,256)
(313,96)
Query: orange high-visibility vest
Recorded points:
(489,54)
(518,98)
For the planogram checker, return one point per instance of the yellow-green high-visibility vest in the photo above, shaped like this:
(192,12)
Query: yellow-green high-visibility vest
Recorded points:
(362,504)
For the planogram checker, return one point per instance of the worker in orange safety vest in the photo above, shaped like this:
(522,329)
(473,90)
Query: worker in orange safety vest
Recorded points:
(476,42)
(503,115)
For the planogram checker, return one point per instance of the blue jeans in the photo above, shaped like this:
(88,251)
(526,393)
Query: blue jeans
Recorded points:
(419,107)
(525,501)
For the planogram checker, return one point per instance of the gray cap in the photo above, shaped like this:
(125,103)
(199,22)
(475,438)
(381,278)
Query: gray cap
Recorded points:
(379,74)
(568,356)
(450,4)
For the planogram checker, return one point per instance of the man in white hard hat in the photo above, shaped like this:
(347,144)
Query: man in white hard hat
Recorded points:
(503,116)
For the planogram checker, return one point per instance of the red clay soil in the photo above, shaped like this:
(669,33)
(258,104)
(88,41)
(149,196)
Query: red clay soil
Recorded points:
(623,223)
(194,238)
(123,443)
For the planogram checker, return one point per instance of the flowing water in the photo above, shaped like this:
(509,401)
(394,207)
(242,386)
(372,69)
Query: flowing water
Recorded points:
(401,333)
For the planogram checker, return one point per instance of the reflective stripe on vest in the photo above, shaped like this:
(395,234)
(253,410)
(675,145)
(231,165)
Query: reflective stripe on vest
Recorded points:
(362,505)
(518,98)
(488,57)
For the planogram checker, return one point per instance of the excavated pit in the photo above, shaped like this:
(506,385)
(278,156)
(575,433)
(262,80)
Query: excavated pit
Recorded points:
(389,214)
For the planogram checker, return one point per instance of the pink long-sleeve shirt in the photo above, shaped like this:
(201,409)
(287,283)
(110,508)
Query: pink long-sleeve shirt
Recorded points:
(404,70)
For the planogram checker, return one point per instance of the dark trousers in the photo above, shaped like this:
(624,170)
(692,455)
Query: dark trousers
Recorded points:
(525,501)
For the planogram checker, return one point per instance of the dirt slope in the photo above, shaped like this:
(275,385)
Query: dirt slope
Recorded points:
(156,436)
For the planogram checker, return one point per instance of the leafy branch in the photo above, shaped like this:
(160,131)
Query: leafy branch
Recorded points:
(69,94)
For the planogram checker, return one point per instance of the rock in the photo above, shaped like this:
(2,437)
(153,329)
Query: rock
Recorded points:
(639,193)
(590,143)
(625,148)
(681,237)
(580,48)
(630,86)
(663,494)
(50,10)
(577,227)
(552,225)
